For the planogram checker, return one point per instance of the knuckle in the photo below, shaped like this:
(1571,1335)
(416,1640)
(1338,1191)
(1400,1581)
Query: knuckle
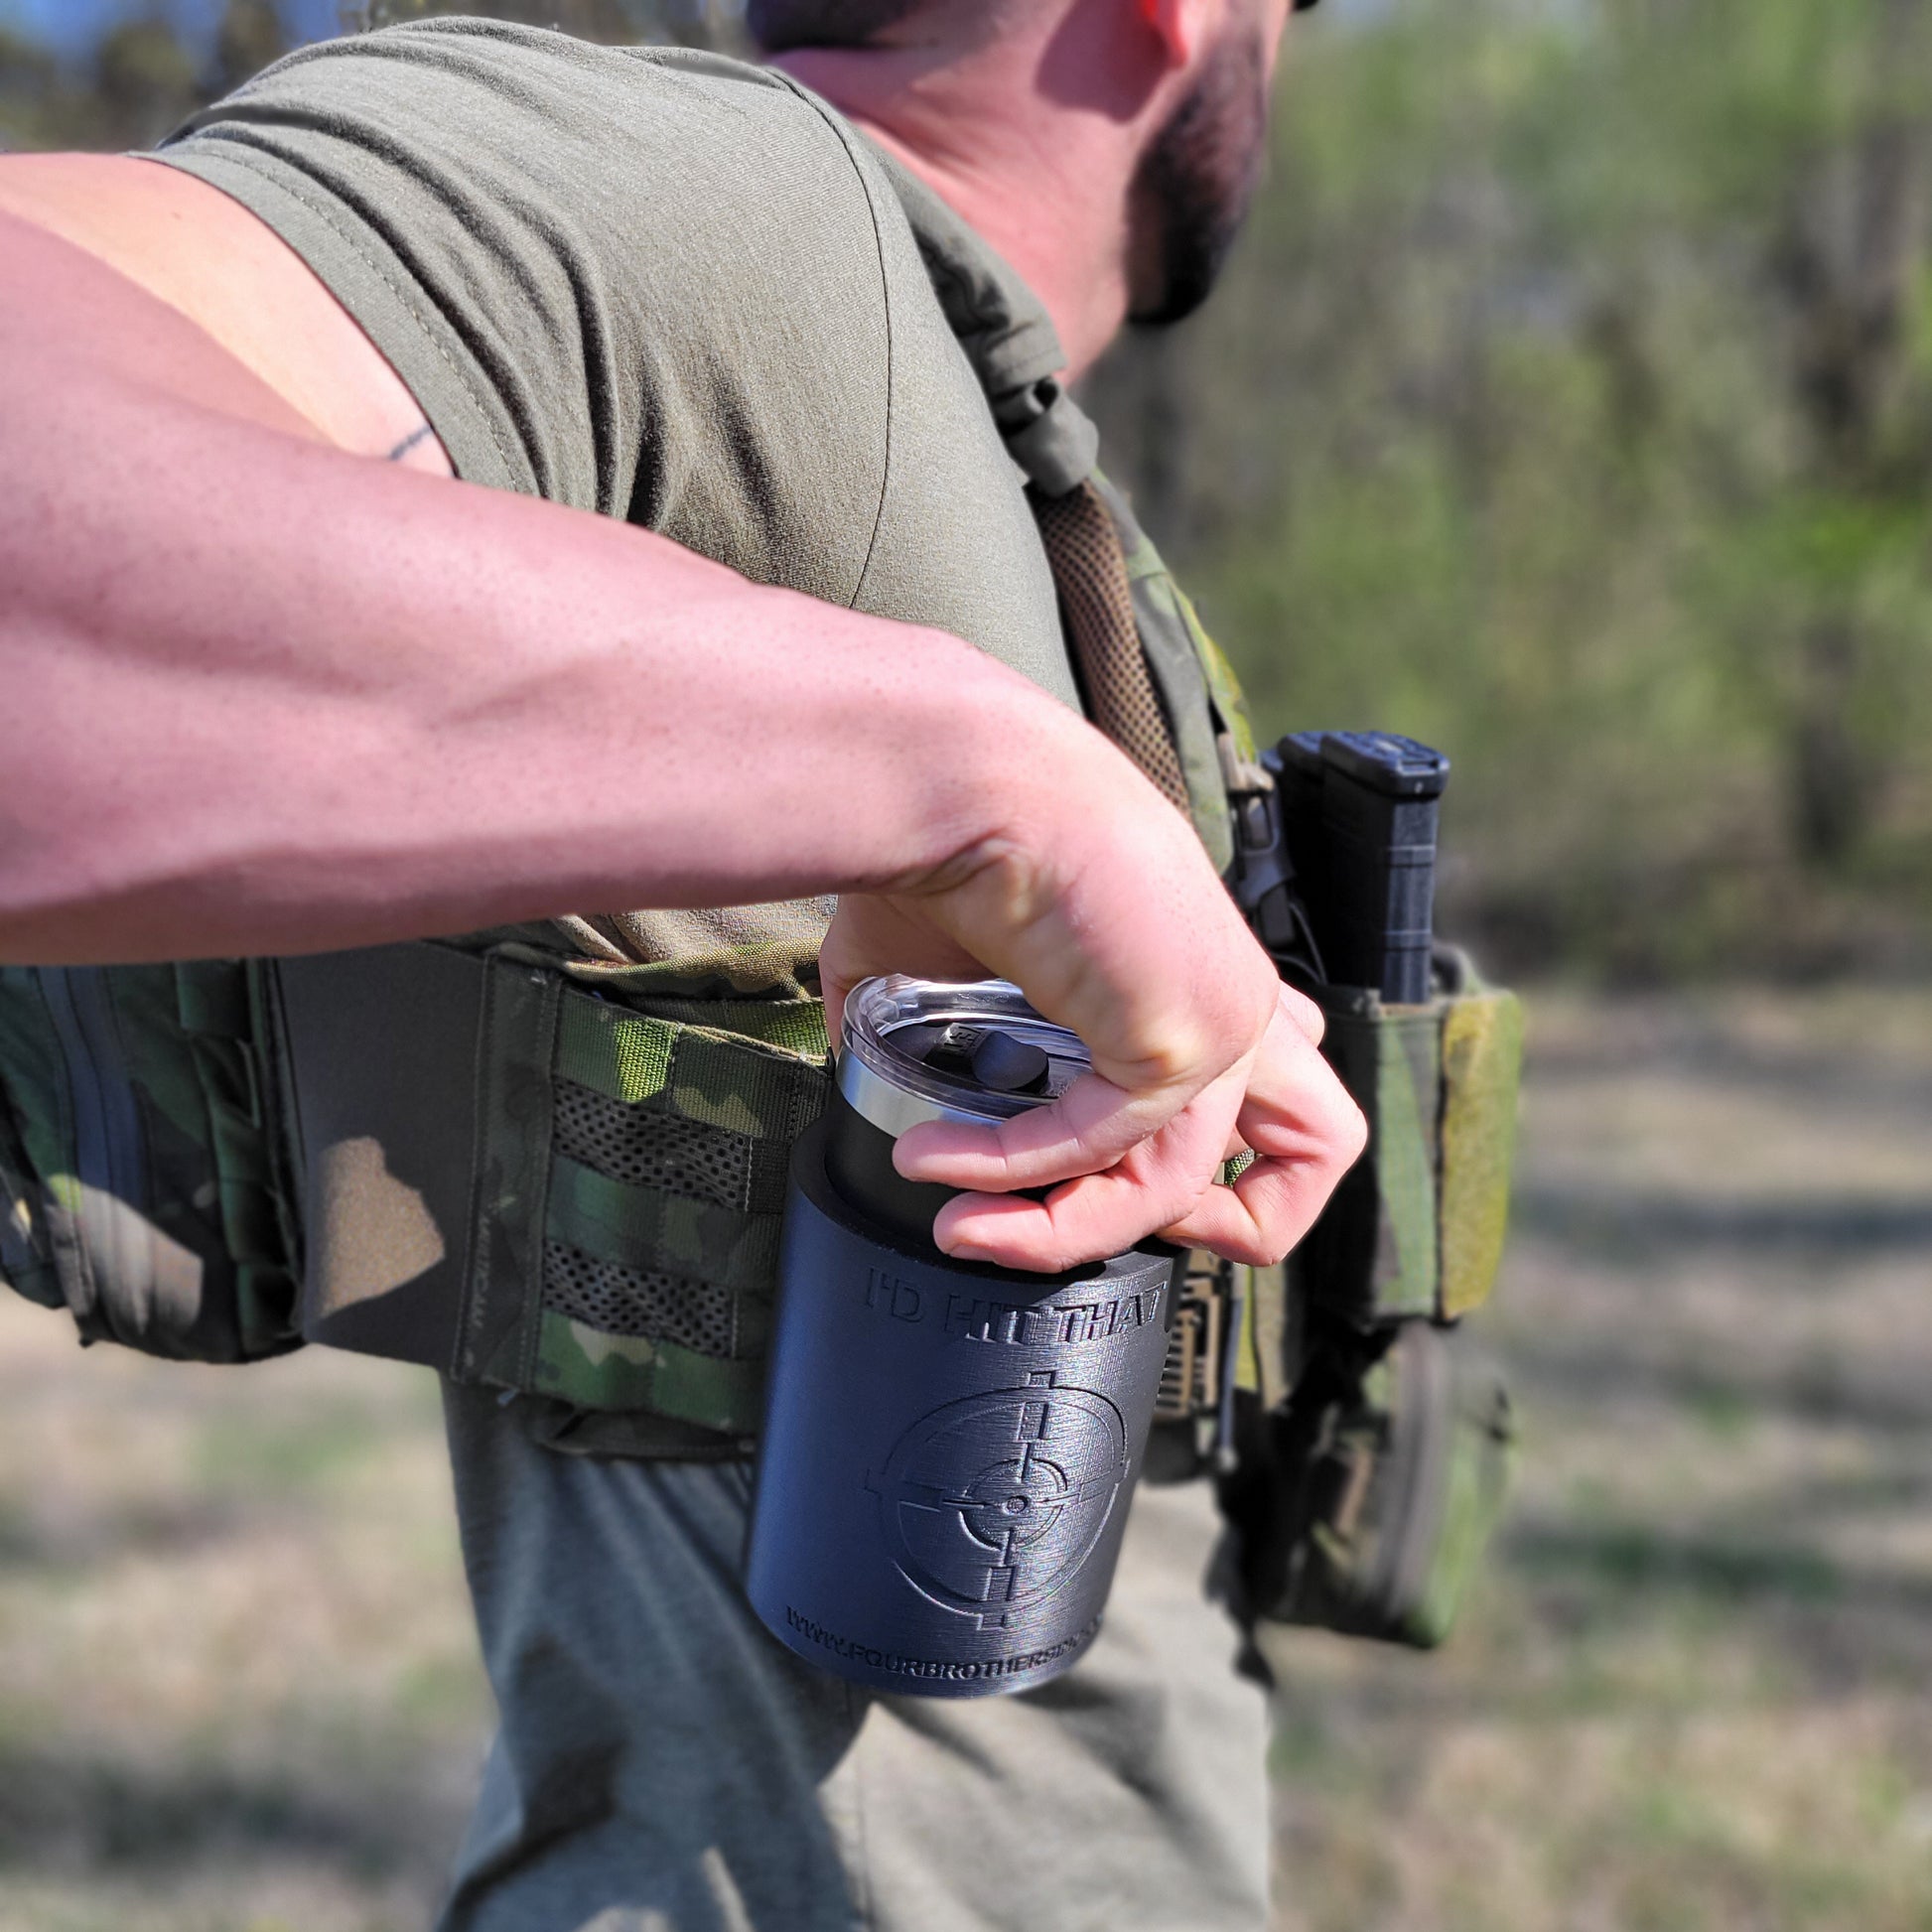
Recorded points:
(1336,1120)
(1259,1245)
(1308,1017)
(1258,1249)
(1272,1235)
(1173,1064)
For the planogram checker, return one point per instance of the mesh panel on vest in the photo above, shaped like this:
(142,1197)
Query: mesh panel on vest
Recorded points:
(645,1148)
(1083,550)
(630,1301)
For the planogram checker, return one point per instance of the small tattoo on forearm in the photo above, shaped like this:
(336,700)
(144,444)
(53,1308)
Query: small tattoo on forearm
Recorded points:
(409,442)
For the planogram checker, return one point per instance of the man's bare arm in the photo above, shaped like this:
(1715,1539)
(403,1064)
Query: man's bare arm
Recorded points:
(262,694)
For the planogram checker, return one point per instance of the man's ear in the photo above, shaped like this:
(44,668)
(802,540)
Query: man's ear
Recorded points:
(1181,25)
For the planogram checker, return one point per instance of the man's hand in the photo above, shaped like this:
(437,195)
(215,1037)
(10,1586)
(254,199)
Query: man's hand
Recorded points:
(1110,918)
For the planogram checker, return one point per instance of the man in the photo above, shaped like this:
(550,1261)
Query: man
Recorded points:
(277,683)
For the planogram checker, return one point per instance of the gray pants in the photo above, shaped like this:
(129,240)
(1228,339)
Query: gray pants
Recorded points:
(664,1765)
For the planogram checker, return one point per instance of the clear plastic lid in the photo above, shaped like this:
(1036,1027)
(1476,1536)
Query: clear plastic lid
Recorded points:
(916,1050)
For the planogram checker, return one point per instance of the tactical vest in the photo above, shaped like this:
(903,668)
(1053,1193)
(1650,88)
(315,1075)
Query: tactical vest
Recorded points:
(535,1170)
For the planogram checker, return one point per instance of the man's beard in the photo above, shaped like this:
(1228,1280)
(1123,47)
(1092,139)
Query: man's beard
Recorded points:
(1192,188)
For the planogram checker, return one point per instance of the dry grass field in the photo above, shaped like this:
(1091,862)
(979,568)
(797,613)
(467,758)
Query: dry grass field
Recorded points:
(1696,1694)
(238,1690)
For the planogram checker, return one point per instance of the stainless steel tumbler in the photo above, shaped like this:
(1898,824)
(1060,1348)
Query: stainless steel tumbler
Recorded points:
(949,1449)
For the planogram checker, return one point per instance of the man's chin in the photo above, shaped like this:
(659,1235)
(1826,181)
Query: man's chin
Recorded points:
(1193,190)
(1174,304)
(1189,269)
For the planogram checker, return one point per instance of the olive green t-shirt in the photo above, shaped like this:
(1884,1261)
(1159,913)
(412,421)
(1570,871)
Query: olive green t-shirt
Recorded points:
(667,287)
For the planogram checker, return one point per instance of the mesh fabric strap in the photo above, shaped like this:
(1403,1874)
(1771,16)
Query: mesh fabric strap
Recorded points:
(1083,550)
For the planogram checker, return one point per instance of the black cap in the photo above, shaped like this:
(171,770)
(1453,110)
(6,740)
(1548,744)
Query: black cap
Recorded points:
(1010,1065)
(995,1061)
(1395,766)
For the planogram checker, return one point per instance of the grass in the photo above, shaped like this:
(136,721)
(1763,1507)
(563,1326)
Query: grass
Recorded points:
(238,1689)
(1695,1691)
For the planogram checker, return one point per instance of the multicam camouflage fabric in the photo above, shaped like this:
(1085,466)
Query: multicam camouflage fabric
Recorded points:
(137,1181)
(140,1155)
(666,1187)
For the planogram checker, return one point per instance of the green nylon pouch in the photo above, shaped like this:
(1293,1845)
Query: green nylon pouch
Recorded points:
(1365,1499)
(1417,1226)
(140,1187)
(1366,1506)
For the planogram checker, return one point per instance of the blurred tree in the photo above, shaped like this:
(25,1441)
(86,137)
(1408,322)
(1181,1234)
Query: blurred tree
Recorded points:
(28,83)
(1570,403)
(145,79)
(250,36)
(140,79)
(1852,256)
(690,22)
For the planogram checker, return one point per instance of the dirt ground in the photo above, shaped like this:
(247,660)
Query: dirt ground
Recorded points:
(238,1690)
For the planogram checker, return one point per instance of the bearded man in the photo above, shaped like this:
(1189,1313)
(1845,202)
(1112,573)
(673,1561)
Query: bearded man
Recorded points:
(469,475)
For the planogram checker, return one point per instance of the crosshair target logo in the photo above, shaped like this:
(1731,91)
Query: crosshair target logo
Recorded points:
(991,1503)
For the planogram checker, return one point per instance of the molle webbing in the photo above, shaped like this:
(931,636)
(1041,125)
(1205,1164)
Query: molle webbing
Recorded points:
(542,1190)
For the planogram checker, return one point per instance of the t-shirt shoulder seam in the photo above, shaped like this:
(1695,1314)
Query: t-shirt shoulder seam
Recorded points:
(247,158)
(845,139)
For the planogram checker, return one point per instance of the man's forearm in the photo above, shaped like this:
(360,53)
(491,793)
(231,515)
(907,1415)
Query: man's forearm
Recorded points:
(262,695)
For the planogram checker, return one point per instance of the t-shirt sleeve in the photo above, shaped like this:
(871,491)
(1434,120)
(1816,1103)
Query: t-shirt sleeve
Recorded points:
(643,285)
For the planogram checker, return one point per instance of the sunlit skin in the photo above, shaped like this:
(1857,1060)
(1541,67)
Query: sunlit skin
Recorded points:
(268,663)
